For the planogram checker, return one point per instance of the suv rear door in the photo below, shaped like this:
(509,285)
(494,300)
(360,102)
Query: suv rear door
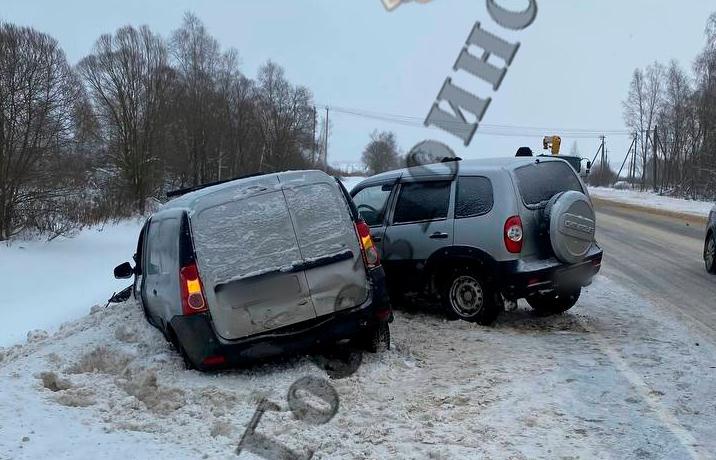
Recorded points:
(327,239)
(250,263)
(536,184)
(420,224)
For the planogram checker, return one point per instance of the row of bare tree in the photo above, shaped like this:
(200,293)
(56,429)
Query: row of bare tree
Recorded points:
(139,116)
(673,114)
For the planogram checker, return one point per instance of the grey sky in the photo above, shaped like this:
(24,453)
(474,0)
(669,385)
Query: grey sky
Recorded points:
(572,70)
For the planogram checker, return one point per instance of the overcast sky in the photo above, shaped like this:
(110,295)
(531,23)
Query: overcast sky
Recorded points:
(571,72)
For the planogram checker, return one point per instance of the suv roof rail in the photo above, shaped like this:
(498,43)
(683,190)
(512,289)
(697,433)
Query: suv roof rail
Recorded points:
(184,191)
(449,159)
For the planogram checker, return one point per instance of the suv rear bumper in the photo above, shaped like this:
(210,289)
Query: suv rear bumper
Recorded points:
(524,277)
(199,340)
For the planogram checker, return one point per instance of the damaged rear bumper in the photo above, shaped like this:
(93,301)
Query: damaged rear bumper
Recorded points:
(522,278)
(206,350)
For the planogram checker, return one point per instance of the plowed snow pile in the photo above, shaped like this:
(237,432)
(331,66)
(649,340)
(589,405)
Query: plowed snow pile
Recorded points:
(615,378)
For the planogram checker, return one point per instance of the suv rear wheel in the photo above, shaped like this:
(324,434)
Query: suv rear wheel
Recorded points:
(466,295)
(710,253)
(554,303)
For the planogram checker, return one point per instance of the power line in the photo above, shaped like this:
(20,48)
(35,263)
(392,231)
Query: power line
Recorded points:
(485,128)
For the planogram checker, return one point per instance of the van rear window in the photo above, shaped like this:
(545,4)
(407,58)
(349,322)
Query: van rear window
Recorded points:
(539,182)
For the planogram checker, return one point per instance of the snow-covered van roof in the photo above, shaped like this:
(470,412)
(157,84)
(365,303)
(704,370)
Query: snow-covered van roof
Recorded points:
(240,188)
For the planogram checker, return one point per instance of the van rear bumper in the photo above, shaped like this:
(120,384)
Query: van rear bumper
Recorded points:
(521,278)
(200,341)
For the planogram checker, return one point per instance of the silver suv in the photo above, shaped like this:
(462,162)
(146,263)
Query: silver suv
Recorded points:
(472,232)
(259,266)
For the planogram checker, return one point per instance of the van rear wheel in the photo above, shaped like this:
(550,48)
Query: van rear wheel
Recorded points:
(466,295)
(554,303)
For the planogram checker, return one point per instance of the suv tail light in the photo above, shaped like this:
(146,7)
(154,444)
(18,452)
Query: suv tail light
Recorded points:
(192,290)
(513,234)
(368,249)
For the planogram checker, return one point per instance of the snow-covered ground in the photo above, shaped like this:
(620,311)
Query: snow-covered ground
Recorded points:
(47,283)
(653,201)
(615,378)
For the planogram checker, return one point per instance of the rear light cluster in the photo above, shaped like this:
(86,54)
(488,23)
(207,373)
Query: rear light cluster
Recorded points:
(513,234)
(192,290)
(368,249)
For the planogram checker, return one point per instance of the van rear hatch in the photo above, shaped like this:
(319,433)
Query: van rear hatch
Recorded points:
(272,256)
(537,183)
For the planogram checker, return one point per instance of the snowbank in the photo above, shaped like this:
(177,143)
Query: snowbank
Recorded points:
(615,378)
(653,201)
(47,283)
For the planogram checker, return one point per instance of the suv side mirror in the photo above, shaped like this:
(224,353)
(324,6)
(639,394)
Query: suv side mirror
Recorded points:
(123,271)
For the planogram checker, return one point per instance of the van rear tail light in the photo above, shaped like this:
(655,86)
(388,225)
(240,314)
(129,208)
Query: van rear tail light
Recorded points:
(513,234)
(192,290)
(368,249)
(214,360)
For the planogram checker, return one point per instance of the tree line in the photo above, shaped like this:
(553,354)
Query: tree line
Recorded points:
(673,115)
(140,115)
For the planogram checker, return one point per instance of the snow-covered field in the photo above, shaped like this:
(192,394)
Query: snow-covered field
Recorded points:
(47,283)
(617,377)
(653,201)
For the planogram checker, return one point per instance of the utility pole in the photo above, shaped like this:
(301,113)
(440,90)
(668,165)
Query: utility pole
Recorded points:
(633,157)
(633,144)
(313,139)
(655,158)
(325,145)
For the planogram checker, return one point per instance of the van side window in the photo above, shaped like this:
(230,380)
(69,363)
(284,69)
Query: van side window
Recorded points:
(153,254)
(421,201)
(474,196)
(139,255)
(163,246)
(371,203)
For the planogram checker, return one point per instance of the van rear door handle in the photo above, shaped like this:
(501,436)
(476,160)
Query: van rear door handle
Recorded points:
(377,239)
(439,236)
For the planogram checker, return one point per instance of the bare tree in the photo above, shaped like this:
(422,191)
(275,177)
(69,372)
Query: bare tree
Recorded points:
(38,92)
(128,75)
(640,108)
(381,153)
(285,120)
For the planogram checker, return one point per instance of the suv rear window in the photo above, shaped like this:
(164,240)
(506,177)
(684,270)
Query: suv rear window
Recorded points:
(422,201)
(541,181)
(474,196)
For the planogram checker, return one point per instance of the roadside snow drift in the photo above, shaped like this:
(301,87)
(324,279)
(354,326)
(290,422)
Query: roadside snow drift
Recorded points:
(653,201)
(616,378)
(47,283)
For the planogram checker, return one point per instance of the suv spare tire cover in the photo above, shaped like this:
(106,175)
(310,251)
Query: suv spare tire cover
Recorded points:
(571,222)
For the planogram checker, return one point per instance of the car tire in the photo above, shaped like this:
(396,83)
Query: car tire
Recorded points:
(376,338)
(555,302)
(468,296)
(710,253)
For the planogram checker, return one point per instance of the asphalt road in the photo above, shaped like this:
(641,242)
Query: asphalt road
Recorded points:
(659,257)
